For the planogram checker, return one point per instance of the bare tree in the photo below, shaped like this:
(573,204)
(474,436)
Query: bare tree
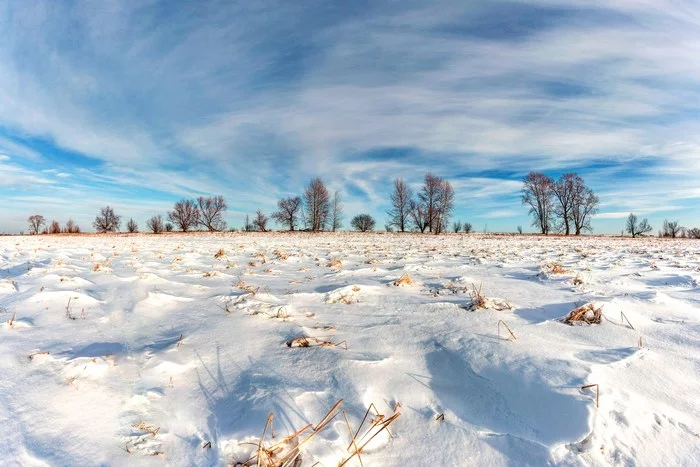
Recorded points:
(671,229)
(520,229)
(132,226)
(288,212)
(155,224)
(211,211)
(71,227)
(400,211)
(457,226)
(36,222)
(317,205)
(248,226)
(169,227)
(363,222)
(584,206)
(429,198)
(537,194)
(260,221)
(446,197)
(418,216)
(563,191)
(693,233)
(636,228)
(467,227)
(185,214)
(54,227)
(107,220)
(336,212)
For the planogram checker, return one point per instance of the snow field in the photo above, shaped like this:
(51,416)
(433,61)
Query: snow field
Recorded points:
(145,349)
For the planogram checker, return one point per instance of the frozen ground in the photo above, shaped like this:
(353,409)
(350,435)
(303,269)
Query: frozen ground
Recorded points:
(109,332)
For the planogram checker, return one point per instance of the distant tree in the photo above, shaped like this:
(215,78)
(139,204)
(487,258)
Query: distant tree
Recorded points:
(316,205)
(288,212)
(185,214)
(36,222)
(54,227)
(132,226)
(211,211)
(457,226)
(260,221)
(336,212)
(467,227)
(636,228)
(155,224)
(520,229)
(537,193)
(400,211)
(389,227)
(445,207)
(247,226)
(418,216)
(107,221)
(671,229)
(363,222)
(693,233)
(169,227)
(584,205)
(563,191)
(71,227)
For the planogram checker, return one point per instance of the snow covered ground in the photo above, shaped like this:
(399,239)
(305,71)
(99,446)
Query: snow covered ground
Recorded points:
(172,349)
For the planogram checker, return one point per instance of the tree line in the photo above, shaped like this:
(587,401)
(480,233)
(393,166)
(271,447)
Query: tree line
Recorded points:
(315,210)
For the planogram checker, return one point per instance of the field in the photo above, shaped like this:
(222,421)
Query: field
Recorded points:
(174,349)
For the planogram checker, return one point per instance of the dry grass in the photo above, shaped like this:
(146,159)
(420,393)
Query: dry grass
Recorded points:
(404,281)
(279,254)
(554,268)
(578,280)
(500,321)
(219,253)
(585,314)
(335,263)
(150,429)
(305,341)
(478,300)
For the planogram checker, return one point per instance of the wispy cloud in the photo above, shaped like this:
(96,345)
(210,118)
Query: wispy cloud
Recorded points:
(150,101)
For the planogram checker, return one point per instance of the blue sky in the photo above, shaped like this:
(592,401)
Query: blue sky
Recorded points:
(136,104)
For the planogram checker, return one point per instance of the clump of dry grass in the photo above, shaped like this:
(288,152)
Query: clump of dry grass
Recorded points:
(480,302)
(335,263)
(404,281)
(554,268)
(585,314)
(150,429)
(578,280)
(306,341)
(281,254)
(219,253)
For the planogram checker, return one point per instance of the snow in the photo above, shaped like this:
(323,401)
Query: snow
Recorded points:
(152,349)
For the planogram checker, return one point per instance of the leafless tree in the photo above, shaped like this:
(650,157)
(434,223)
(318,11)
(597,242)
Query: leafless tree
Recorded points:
(211,211)
(563,191)
(36,222)
(71,227)
(467,227)
(316,205)
(429,198)
(446,200)
(288,212)
(336,212)
(169,227)
(457,226)
(584,206)
(54,227)
(636,228)
(132,226)
(418,216)
(107,220)
(693,233)
(671,229)
(537,194)
(363,222)
(155,224)
(520,229)
(400,211)
(260,221)
(248,226)
(185,214)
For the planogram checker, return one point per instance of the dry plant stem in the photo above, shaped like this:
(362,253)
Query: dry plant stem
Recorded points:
(354,441)
(322,424)
(624,318)
(500,321)
(31,356)
(179,341)
(12,320)
(597,392)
